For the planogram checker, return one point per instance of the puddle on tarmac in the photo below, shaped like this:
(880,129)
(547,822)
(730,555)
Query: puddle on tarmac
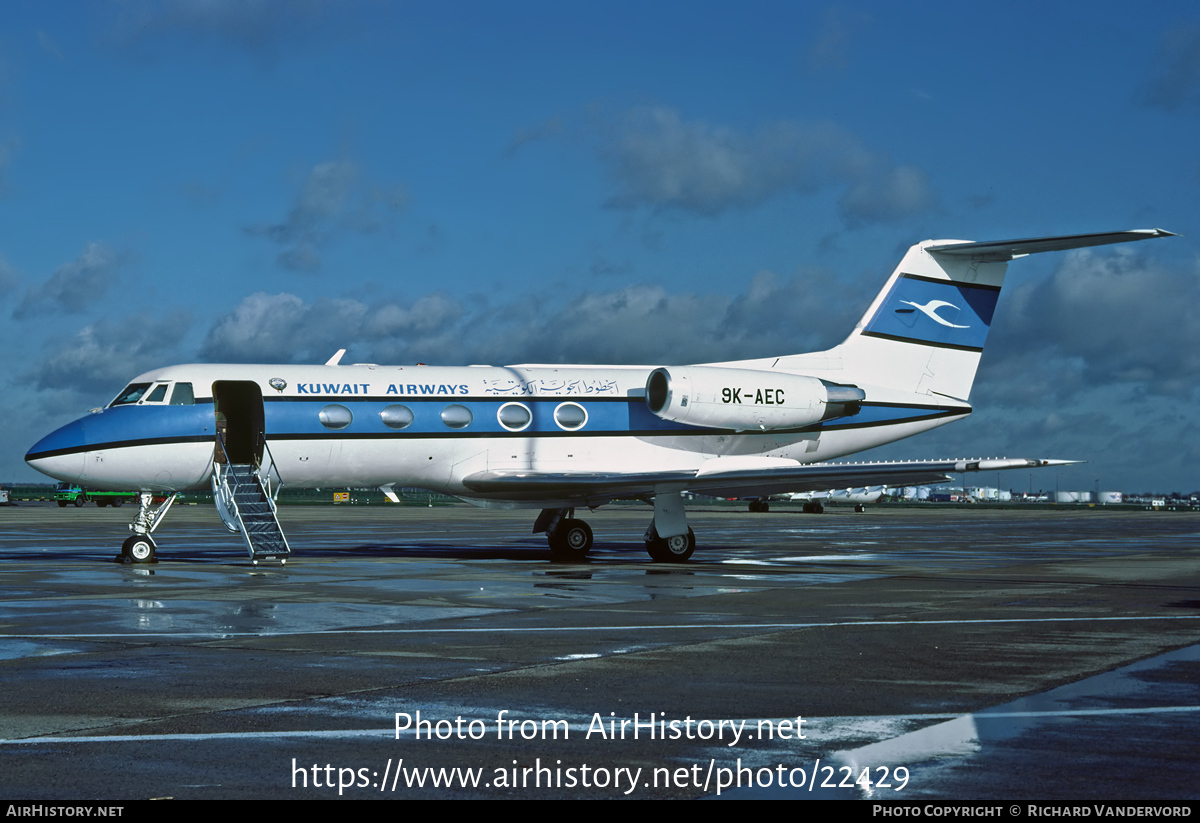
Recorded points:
(1123,696)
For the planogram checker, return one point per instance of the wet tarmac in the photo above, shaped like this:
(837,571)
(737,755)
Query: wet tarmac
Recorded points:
(920,653)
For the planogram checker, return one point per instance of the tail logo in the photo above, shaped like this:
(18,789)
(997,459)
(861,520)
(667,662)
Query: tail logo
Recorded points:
(930,310)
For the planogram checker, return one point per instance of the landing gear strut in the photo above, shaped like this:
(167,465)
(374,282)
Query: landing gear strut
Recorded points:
(669,517)
(140,548)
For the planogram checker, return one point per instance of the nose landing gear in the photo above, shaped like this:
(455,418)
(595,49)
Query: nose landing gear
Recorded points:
(140,547)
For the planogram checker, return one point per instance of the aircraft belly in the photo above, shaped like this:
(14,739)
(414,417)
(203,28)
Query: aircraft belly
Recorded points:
(321,462)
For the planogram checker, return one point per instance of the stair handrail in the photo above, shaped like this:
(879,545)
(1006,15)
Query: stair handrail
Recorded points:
(272,489)
(228,463)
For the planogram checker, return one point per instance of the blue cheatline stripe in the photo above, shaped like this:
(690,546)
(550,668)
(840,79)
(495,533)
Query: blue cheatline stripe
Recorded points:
(299,419)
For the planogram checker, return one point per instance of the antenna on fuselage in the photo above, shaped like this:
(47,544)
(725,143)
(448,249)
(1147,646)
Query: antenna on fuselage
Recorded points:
(336,359)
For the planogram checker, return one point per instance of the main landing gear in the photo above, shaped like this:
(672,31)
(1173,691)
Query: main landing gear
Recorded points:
(140,547)
(675,549)
(570,539)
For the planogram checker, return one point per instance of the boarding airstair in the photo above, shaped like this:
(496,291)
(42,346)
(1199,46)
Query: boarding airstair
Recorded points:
(245,497)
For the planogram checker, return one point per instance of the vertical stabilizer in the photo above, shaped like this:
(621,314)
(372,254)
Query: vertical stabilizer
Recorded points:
(925,331)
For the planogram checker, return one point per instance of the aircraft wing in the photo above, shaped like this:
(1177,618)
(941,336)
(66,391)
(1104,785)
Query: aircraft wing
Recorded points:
(738,479)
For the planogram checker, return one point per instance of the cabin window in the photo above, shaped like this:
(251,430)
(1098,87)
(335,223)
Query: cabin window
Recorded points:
(335,416)
(158,395)
(514,416)
(570,416)
(397,417)
(183,395)
(456,416)
(132,393)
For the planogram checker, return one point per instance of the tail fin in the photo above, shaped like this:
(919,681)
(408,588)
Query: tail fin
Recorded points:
(925,331)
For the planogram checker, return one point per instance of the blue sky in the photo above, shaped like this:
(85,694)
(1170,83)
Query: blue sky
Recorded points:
(453,183)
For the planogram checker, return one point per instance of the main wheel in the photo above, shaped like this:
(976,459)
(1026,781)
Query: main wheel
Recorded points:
(675,549)
(572,540)
(138,549)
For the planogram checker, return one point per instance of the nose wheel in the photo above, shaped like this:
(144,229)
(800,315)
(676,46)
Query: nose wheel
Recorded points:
(138,548)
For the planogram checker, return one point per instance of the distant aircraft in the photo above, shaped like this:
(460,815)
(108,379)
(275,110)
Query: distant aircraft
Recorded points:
(860,497)
(813,499)
(561,438)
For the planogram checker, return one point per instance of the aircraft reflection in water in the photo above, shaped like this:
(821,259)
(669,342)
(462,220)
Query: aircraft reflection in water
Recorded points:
(559,438)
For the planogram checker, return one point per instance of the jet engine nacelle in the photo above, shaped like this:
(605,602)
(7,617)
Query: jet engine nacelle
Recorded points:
(747,399)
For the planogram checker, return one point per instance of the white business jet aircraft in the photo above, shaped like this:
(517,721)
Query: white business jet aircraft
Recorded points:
(561,438)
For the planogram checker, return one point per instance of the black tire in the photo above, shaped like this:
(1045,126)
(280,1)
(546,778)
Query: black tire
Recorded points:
(138,549)
(571,541)
(116,502)
(100,504)
(62,504)
(673,549)
(79,501)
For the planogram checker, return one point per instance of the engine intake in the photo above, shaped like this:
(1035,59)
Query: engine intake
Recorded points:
(747,399)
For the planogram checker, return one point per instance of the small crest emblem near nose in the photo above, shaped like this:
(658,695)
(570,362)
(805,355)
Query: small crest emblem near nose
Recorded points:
(277,383)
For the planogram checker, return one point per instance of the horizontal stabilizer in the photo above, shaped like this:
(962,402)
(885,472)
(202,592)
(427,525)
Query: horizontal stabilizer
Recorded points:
(1009,249)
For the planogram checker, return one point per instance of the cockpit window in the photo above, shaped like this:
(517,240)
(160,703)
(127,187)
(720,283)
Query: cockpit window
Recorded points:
(183,395)
(158,395)
(132,393)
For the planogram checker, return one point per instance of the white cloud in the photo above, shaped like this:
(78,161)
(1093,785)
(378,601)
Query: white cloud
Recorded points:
(838,25)
(637,324)
(257,26)
(103,355)
(333,199)
(659,161)
(1175,82)
(1115,317)
(75,285)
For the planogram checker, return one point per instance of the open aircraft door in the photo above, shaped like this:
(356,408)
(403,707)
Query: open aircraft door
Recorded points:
(240,423)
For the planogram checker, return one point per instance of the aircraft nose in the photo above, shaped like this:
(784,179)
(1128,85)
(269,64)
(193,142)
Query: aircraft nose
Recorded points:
(61,454)
(65,467)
